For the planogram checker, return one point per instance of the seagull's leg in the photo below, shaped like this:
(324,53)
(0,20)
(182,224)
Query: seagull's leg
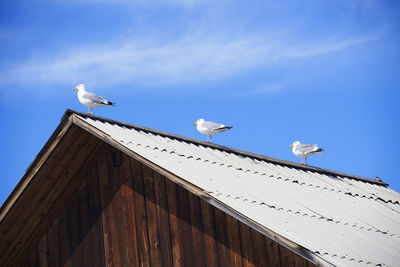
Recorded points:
(306,160)
(302,160)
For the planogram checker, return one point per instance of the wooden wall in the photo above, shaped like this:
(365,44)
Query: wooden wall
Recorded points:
(126,214)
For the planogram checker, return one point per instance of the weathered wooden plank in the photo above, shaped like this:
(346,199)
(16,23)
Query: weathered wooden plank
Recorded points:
(62,177)
(23,210)
(271,251)
(123,219)
(128,212)
(234,244)
(95,212)
(26,263)
(74,230)
(140,214)
(310,264)
(116,219)
(32,260)
(37,163)
(111,252)
(185,227)
(259,249)
(222,239)
(197,230)
(65,246)
(85,223)
(285,256)
(210,243)
(151,212)
(163,220)
(42,247)
(174,223)
(53,245)
(63,189)
(300,261)
(246,245)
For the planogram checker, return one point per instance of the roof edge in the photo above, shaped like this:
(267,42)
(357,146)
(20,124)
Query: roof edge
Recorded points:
(35,165)
(286,163)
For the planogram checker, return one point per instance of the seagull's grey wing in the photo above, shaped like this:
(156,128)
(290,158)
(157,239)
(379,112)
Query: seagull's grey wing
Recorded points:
(94,98)
(306,148)
(212,125)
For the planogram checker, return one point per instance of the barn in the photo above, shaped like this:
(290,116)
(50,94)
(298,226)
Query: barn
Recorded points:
(107,193)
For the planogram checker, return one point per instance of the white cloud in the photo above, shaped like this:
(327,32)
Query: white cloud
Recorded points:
(193,59)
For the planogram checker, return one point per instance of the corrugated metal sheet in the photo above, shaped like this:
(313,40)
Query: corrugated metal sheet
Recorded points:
(345,221)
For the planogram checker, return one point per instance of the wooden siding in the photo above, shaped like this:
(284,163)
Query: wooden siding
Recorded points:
(125,214)
(41,203)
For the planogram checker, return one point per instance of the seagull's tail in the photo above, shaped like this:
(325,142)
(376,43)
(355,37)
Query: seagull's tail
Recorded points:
(223,129)
(110,103)
(319,150)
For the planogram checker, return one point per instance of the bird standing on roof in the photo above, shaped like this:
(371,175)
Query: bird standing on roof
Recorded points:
(89,99)
(209,128)
(305,150)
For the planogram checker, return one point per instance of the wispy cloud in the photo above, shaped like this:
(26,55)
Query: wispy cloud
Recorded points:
(191,60)
(143,3)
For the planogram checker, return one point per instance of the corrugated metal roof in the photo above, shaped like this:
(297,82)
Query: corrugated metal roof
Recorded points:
(344,220)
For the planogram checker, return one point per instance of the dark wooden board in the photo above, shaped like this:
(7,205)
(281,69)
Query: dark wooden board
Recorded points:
(174,223)
(246,245)
(95,218)
(234,244)
(140,214)
(163,220)
(210,243)
(259,251)
(16,221)
(222,239)
(185,228)
(197,230)
(272,252)
(111,252)
(55,202)
(151,213)
(53,245)
(30,232)
(128,212)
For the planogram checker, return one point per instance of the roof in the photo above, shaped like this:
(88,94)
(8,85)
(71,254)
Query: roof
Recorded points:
(326,216)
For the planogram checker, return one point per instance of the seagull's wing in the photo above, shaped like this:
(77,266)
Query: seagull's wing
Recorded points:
(212,125)
(306,148)
(94,98)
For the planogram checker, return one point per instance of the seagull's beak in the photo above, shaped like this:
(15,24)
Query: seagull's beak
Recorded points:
(291,145)
(74,88)
(195,123)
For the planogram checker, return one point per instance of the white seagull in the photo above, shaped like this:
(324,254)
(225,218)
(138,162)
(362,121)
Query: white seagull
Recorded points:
(305,150)
(209,128)
(89,99)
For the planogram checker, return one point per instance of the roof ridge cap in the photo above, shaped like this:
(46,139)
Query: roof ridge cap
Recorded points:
(286,163)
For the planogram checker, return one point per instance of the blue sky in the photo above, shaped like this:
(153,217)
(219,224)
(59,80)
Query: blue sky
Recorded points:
(324,72)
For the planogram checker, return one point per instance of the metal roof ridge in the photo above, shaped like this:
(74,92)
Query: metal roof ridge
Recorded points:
(286,163)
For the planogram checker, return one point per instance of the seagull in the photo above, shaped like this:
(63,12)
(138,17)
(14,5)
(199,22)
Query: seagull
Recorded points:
(209,128)
(305,150)
(89,99)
